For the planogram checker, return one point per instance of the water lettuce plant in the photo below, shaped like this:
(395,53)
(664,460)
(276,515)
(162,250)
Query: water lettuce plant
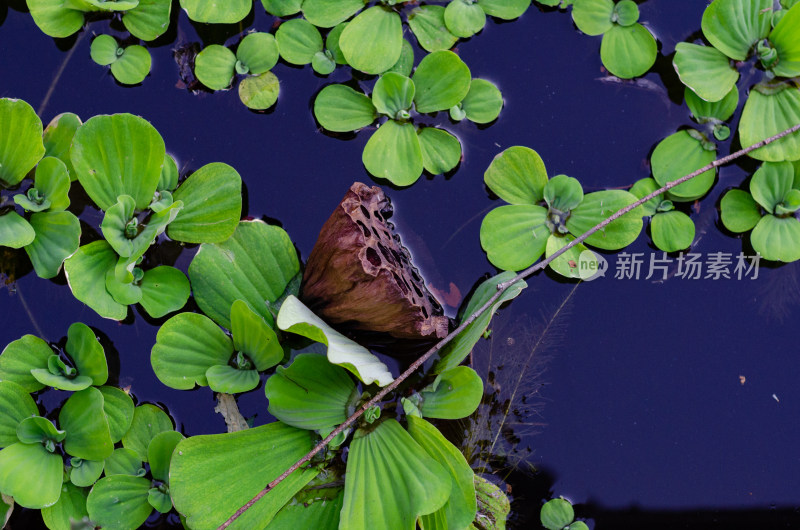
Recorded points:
(628,49)
(300,43)
(543,215)
(671,229)
(740,30)
(558,514)
(464,18)
(769,210)
(31,468)
(121,162)
(31,363)
(128,493)
(129,65)
(191,349)
(48,232)
(400,150)
(255,57)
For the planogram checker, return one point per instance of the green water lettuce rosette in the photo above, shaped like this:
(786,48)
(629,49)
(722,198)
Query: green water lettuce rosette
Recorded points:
(37,220)
(129,65)
(257,53)
(628,49)
(121,162)
(400,149)
(769,209)
(544,215)
(739,30)
(191,349)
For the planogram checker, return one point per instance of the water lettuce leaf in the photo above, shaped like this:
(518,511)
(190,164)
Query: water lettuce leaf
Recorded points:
(211,476)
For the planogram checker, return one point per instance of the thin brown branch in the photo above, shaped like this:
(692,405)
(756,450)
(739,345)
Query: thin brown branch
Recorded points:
(501,288)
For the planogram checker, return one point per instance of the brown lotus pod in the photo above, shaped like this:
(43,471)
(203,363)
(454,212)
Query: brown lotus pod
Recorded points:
(359,275)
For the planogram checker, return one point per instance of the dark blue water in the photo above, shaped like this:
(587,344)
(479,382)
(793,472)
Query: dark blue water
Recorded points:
(638,410)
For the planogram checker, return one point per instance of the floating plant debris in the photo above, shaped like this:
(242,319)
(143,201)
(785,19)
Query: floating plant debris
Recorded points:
(360,276)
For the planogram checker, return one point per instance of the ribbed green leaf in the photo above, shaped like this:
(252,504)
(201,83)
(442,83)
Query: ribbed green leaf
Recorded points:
(390,480)
(455,394)
(21,144)
(214,65)
(186,346)
(461,507)
(211,476)
(458,349)
(514,236)
(254,265)
(88,433)
(118,408)
(739,211)
(768,111)
(298,41)
(212,205)
(680,154)
(118,155)
(339,108)
(628,51)
(393,153)
(86,275)
(311,393)
(373,40)
(600,205)
(119,502)
(148,20)
(427,24)
(31,474)
(57,138)
(15,405)
(733,26)
(20,357)
(705,70)
(442,80)
(228,12)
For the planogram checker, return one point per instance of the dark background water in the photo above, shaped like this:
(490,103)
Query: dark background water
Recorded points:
(638,411)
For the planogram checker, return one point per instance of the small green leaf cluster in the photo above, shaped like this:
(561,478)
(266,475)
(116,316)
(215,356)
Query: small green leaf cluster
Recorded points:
(51,464)
(144,19)
(47,231)
(558,514)
(544,215)
(129,65)
(465,18)
(372,40)
(121,162)
(400,150)
(769,209)
(740,30)
(677,155)
(628,49)
(255,57)
(32,364)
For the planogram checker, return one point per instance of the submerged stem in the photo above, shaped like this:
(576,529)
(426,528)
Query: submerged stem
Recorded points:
(501,288)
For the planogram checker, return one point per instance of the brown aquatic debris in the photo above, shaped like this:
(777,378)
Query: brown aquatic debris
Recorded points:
(360,276)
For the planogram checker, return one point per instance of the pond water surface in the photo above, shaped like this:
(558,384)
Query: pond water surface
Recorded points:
(650,404)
